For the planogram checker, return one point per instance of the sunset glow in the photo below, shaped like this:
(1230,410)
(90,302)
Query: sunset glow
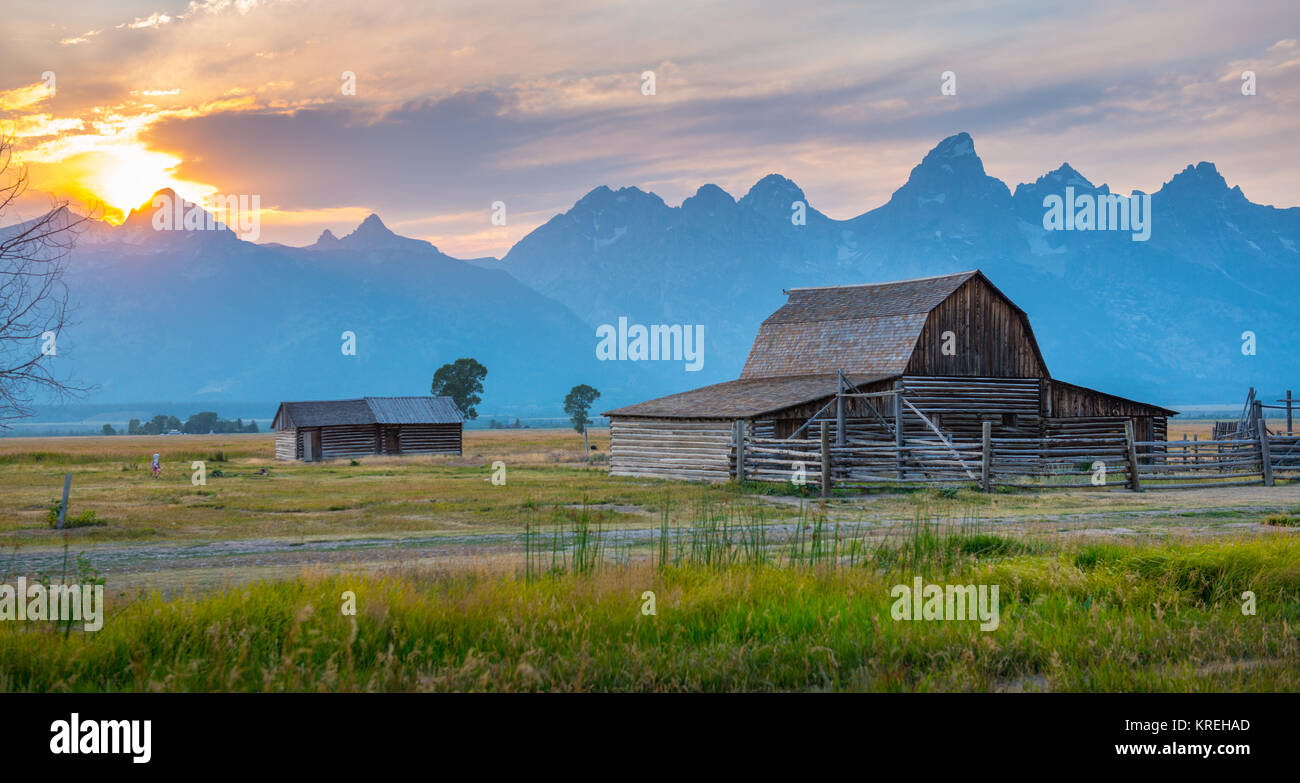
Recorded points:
(126,178)
(445,119)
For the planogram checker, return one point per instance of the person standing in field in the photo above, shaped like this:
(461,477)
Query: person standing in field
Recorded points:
(157,468)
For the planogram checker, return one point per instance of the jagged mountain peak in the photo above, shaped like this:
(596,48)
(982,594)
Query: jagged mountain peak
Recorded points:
(167,216)
(1202,179)
(144,213)
(709,198)
(954,155)
(603,196)
(1067,175)
(958,145)
(773,196)
(951,173)
(1056,181)
(371,228)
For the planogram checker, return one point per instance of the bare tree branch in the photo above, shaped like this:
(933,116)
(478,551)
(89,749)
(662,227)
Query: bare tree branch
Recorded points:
(33,296)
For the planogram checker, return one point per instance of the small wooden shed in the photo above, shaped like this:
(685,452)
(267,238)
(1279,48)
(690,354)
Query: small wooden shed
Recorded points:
(333,429)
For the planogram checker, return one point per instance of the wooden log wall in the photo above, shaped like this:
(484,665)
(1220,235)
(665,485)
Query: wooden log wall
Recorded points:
(286,444)
(347,441)
(427,438)
(1148,429)
(693,450)
(959,406)
(1065,400)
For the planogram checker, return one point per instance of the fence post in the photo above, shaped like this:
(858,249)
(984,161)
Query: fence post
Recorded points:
(1265,458)
(987,462)
(826,459)
(1288,411)
(738,433)
(63,509)
(1133,482)
(898,426)
(839,411)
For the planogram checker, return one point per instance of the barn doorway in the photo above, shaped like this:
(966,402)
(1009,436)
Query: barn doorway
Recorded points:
(311,445)
(392,441)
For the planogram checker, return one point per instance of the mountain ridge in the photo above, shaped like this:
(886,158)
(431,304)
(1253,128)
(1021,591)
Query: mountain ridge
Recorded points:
(1154,320)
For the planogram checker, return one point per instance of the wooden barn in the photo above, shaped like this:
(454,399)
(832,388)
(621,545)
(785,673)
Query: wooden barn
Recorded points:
(943,353)
(331,429)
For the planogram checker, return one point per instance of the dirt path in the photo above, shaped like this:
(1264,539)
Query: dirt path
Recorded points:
(140,561)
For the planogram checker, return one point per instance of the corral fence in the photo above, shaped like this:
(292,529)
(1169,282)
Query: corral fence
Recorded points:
(1056,462)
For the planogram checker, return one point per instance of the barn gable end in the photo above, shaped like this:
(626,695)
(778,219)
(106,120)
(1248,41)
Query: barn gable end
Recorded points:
(991,337)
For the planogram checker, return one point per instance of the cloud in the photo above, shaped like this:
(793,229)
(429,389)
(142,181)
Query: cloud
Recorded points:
(24,97)
(80,39)
(153,20)
(456,109)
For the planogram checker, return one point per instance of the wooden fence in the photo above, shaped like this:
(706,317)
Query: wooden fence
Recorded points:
(1059,462)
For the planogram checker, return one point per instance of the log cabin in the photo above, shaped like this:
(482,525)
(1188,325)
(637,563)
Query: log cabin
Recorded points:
(334,429)
(954,346)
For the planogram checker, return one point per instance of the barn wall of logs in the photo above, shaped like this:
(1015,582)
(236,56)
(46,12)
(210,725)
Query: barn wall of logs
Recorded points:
(358,440)
(287,444)
(347,441)
(426,438)
(1017,409)
(689,449)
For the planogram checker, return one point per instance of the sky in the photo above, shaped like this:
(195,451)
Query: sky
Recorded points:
(459,105)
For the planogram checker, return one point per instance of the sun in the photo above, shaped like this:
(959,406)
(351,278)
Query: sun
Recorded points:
(125,178)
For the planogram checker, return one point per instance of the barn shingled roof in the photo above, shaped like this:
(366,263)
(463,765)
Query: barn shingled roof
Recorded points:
(742,398)
(864,329)
(870,331)
(368,410)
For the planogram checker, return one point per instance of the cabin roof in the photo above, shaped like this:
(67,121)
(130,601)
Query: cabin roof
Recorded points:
(742,398)
(415,410)
(869,329)
(368,410)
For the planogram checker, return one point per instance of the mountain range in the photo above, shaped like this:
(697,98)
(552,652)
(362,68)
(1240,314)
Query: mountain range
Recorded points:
(202,315)
(1159,320)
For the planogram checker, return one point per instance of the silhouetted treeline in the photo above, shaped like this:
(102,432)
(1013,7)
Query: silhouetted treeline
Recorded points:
(198,424)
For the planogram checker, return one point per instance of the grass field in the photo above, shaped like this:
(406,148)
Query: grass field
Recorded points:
(539,584)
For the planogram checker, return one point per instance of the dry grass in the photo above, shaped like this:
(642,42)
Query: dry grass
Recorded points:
(379,495)
(453,494)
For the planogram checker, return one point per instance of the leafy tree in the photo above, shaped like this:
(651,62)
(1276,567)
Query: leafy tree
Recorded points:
(252,426)
(576,405)
(201,423)
(133,427)
(156,426)
(462,381)
(108,430)
(173,423)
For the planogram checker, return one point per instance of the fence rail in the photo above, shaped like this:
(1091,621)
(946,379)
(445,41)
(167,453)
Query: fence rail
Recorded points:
(1058,462)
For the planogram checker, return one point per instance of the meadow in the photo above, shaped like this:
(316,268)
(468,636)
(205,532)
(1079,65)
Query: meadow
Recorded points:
(544,583)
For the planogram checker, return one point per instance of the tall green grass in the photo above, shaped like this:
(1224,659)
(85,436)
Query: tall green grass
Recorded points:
(737,609)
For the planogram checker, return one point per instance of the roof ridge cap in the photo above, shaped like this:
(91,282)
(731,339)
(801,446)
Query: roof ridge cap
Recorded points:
(968,272)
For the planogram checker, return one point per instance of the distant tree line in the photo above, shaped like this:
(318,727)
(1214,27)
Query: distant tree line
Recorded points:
(198,424)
